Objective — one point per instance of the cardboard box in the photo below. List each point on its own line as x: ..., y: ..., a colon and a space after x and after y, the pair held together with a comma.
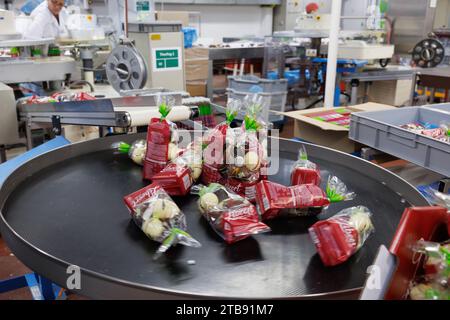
x: 327, y: 134
x: 394, y: 92
x: 196, y: 88
x: 182, y: 16
x: 196, y: 53
x: 196, y: 69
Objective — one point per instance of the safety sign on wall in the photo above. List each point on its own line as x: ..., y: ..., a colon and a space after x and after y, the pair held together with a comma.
x: 166, y: 59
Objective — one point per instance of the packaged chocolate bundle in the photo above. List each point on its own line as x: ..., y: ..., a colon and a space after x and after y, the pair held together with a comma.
x: 214, y: 143
x: 136, y: 151
x: 305, y: 171
x: 181, y: 173
x: 434, y: 281
x: 246, y: 152
x: 233, y: 217
x: 159, y: 218
x: 162, y: 139
x: 274, y: 199
x: 339, y: 237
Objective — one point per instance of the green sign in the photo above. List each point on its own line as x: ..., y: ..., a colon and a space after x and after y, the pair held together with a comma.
x: 142, y: 6
x: 166, y: 59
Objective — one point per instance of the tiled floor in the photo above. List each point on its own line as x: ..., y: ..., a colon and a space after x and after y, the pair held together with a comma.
x: 10, y: 266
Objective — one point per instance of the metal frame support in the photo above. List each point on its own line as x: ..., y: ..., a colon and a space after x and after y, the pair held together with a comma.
x: 2, y: 153
x: 56, y: 124
x: 40, y: 287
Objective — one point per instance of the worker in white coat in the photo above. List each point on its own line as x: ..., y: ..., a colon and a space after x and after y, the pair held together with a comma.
x: 49, y: 21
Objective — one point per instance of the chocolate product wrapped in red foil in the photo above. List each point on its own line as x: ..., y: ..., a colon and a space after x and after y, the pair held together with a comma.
x: 339, y: 237
x: 159, y: 218
x: 180, y: 174
x: 305, y: 171
x: 162, y: 140
x: 233, y: 217
x: 274, y: 199
x: 214, y: 146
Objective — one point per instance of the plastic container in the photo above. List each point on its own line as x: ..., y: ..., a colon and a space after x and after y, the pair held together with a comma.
x: 277, y: 103
x: 292, y: 76
x: 241, y: 86
x: 190, y: 36
x: 442, y: 107
x: 381, y: 130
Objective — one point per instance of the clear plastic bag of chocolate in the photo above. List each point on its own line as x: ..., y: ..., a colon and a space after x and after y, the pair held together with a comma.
x: 214, y: 142
x: 136, y: 151
x: 159, y: 218
x: 305, y: 171
x: 276, y: 200
x: 433, y: 281
x: 246, y: 149
x: 339, y: 237
x: 162, y: 139
x: 181, y: 173
x: 233, y: 217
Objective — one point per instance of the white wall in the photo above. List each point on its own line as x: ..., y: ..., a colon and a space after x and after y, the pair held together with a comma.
x: 218, y: 21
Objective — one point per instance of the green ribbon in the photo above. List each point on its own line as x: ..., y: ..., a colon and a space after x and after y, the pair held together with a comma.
x: 123, y: 147
x: 211, y: 188
x: 230, y: 115
x: 251, y: 124
x: 173, y: 233
x: 164, y: 110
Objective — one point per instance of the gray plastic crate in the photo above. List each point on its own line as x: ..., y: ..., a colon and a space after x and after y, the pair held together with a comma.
x: 381, y: 130
x: 277, y: 103
x: 442, y: 107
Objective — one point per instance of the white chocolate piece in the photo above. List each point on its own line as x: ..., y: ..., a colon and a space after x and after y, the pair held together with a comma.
x: 251, y: 160
x: 361, y: 222
x: 239, y: 162
x: 196, y: 173
x: 418, y: 292
x: 208, y: 201
x: 153, y: 228
x: 164, y: 209
x: 172, y: 151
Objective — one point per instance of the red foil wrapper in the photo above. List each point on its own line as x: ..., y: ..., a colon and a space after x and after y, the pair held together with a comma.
x: 272, y: 197
x: 246, y: 189
x: 305, y: 172
x: 158, y: 139
x: 175, y: 179
x: 240, y: 223
x: 213, y: 159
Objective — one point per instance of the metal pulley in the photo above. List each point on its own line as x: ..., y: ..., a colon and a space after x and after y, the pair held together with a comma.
x: 126, y: 68
x: 428, y: 53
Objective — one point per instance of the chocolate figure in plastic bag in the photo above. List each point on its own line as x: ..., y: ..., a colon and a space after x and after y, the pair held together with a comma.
x: 159, y: 218
x: 246, y: 151
x: 233, y: 217
x: 434, y: 284
x: 275, y: 200
x: 136, y: 151
x: 305, y: 171
x: 214, y: 143
x: 162, y: 139
x: 339, y: 237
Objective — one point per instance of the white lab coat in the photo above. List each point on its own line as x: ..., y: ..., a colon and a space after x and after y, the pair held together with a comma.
x: 45, y: 25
